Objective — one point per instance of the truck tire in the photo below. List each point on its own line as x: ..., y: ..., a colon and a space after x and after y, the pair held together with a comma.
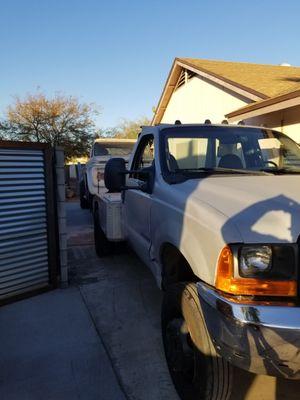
x: 103, y: 247
x: 84, y: 204
x: 197, y: 371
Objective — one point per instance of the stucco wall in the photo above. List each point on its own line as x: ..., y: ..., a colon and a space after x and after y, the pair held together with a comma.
x: 200, y: 99
x: 286, y: 121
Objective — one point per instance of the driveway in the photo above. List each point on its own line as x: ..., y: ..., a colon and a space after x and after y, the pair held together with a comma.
x: 124, y: 303
x: 99, y: 339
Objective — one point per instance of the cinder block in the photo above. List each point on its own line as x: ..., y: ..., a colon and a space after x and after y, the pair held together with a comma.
x: 62, y: 225
x: 61, y: 193
x: 63, y: 241
x: 64, y: 277
x: 59, y: 157
x: 61, y: 209
x: 63, y: 255
x: 60, y: 176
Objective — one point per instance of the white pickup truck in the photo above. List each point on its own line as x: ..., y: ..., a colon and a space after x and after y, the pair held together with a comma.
x: 91, y: 179
x: 214, y: 211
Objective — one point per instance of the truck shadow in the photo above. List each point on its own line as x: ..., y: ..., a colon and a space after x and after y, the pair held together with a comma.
x: 251, y: 216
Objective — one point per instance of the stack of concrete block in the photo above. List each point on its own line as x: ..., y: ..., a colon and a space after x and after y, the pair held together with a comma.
x: 61, y: 214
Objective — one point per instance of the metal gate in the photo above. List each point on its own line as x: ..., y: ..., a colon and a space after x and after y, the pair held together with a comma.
x: 28, y: 227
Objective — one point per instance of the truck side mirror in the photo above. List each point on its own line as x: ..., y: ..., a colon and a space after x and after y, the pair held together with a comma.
x: 114, y: 174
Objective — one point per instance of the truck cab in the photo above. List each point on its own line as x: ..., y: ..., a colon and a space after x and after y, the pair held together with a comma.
x: 92, y: 176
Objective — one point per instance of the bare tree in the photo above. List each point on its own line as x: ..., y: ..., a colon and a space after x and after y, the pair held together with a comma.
x: 60, y: 120
x: 131, y: 129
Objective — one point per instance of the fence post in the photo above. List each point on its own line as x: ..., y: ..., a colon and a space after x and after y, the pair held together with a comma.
x: 61, y: 215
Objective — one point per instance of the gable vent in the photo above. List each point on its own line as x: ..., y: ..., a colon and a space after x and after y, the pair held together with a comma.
x: 184, y: 77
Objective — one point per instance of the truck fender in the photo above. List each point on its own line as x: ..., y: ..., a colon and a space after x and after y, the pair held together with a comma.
x: 170, y: 233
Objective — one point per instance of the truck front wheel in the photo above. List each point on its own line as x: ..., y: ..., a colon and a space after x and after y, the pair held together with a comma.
x: 103, y: 246
x: 84, y: 204
x: 197, y: 371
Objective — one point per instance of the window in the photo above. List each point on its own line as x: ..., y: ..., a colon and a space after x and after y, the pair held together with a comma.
x: 190, y: 151
x: 187, y: 152
x: 232, y: 148
x: 144, y: 156
x: 270, y: 151
x: 113, y: 149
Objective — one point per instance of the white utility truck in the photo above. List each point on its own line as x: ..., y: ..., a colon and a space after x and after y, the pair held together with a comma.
x: 214, y: 211
x: 91, y: 179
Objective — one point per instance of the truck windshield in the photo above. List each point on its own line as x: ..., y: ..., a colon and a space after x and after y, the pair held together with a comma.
x: 113, y: 150
x: 191, y: 150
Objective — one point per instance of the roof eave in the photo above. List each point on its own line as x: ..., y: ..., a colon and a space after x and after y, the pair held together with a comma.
x: 177, y: 66
x: 267, y: 106
x: 169, y: 86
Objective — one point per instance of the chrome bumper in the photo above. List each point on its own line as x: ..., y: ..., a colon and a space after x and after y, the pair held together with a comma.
x: 263, y: 339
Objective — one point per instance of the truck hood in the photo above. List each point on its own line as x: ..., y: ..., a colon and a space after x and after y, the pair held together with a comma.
x: 262, y: 208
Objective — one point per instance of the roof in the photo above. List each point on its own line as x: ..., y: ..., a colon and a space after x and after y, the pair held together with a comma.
x: 268, y: 80
x: 114, y: 140
x: 282, y: 98
x: 254, y: 81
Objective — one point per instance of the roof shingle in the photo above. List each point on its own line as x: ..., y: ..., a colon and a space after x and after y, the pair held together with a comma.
x: 268, y: 80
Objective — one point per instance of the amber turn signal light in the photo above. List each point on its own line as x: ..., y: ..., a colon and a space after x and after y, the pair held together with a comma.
x: 226, y: 281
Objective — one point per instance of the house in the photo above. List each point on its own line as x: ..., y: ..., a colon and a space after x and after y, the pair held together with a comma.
x: 258, y: 94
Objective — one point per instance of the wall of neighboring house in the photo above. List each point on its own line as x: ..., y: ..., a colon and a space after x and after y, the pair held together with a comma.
x: 199, y: 99
x: 286, y: 121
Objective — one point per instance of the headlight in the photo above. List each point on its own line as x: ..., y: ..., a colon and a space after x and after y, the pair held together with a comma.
x: 98, y: 175
x: 258, y: 270
x: 255, y: 260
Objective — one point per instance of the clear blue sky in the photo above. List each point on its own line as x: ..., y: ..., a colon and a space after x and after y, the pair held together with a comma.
x: 117, y: 54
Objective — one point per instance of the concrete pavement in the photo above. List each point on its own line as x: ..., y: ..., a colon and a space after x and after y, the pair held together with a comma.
x: 124, y: 302
x: 50, y: 350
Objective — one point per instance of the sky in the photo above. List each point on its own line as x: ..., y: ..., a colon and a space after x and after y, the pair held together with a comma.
x: 117, y: 54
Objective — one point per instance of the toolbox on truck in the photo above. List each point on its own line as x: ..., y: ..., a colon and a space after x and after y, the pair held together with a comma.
x: 110, y: 208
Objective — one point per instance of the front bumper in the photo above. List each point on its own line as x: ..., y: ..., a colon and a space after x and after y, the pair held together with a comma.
x: 263, y: 339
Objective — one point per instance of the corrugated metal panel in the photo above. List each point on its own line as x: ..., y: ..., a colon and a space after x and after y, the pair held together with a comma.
x: 23, y: 222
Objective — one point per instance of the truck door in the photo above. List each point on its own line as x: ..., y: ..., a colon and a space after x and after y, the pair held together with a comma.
x: 138, y: 203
